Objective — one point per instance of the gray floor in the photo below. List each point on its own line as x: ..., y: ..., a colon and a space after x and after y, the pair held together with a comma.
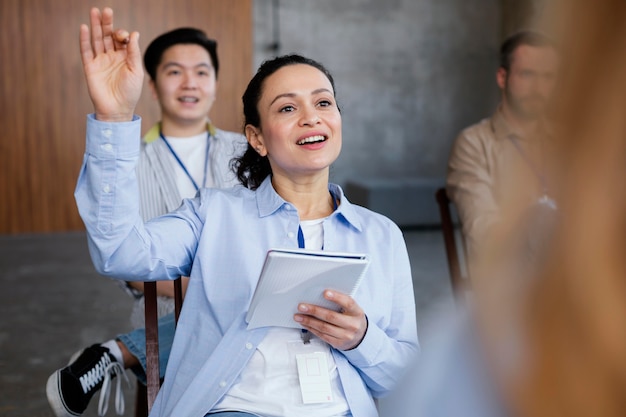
x: 52, y: 303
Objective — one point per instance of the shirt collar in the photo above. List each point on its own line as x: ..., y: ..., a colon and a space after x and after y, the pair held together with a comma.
x: 268, y: 202
x: 154, y: 132
x: 502, y: 129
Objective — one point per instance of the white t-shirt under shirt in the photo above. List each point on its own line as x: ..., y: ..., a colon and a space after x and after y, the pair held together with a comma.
x: 269, y: 384
x: 192, y: 151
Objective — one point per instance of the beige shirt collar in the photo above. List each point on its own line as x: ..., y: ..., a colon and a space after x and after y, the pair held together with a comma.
x: 502, y: 129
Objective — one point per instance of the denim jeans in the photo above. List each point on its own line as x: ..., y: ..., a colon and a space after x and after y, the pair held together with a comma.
x: 135, y: 341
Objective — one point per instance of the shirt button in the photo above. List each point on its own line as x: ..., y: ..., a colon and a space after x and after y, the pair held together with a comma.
x: 291, y: 235
x: 107, y: 147
x: 107, y: 133
x: 249, y: 346
x: 222, y: 384
x: 106, y: 188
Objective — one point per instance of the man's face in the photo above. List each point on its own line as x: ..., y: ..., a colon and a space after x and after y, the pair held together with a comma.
x: 529, y: 83
x: 185, y: 83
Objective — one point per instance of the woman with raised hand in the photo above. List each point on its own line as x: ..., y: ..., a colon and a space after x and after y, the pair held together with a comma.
x: 220, y: 239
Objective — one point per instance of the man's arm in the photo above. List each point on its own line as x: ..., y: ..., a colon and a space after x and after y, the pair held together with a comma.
x: 470, y: 185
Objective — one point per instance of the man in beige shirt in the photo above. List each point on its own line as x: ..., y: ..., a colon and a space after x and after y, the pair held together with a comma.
x: 488, y: 159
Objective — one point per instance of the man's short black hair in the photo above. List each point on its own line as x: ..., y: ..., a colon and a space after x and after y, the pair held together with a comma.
x: 154, y: 52
x: 524, y: 37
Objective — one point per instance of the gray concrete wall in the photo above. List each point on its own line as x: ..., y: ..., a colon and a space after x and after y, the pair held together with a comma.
x: 409, y: 73
x: 517, y: 14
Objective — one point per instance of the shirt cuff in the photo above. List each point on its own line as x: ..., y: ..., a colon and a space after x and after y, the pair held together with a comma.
x: 367, y: 352
x: 119, y: 140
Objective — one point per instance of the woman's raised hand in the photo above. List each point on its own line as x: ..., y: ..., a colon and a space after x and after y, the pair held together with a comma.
x: 112, y: 65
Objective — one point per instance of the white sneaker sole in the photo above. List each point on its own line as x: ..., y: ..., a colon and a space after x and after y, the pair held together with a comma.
x: 53, y: 387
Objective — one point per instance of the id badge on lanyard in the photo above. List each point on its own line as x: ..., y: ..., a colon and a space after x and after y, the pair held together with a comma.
x: 312, y: 363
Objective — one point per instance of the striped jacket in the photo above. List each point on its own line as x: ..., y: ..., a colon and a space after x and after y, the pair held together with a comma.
x: 160, y: 195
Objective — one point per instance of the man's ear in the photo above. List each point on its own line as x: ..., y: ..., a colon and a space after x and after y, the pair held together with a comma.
x: 153, y: 89
x: 501, y: 75
x: 255, y: 139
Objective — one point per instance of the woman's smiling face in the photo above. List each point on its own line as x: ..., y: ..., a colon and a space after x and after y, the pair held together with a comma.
x: 300, y: 128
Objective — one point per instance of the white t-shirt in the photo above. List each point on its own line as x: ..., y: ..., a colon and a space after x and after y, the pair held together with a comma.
x: 269, y: 384
x: 192, y: 151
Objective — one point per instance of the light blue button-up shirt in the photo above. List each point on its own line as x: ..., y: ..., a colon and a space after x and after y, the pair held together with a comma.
x: 220, y: 239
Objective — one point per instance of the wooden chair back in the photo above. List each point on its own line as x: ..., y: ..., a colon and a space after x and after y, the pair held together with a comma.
x: 146, y: 394
x: 458, y: 279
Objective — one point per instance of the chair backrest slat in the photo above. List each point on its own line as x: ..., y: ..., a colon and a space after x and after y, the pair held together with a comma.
x: 153, y: 379
x: 458, y: 281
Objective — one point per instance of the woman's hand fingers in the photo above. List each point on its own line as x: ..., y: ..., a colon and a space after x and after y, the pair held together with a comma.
x: 343, y: 330
x: 112, y: 66
x: 107, y: 29
x: 121, y: 38
x: 97, y: 34
x: 86, y: 51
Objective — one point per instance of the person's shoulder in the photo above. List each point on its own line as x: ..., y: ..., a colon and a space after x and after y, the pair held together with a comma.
x: 232, y: 143
x: 213, y: 204
x: 146, y: 151
x: 228, y: 135
x: 479, y: 129
x: 234, y: 192
x: 476, y: 136
x: 234, y: 196
x: 372, y: 219
x: 379, y: 226
x: 151, y: 135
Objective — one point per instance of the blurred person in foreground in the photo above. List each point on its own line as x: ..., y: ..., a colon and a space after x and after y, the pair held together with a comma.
x: 548, y: 338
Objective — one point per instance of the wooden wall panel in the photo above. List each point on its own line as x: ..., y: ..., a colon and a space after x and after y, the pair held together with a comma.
x: 44, y: 101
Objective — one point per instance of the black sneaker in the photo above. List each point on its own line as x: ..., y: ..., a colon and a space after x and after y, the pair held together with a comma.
x: 70, y: 389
